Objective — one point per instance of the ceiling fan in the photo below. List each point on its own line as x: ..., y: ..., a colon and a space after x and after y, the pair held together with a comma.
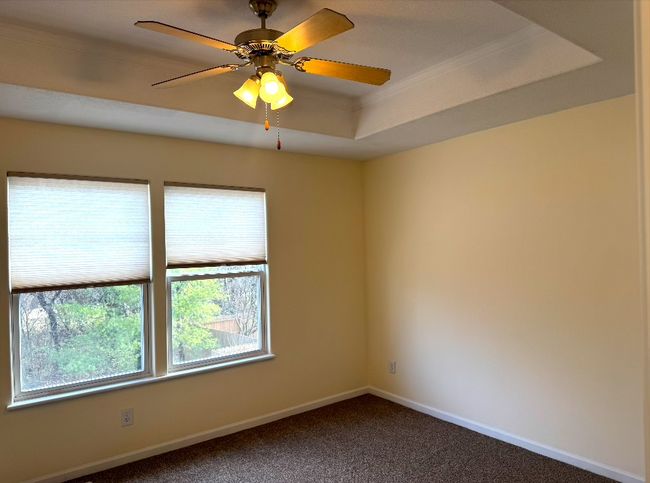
x: 266, y: 48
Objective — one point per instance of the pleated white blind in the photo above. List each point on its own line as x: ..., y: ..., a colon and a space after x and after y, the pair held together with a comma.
x: 214, y: 226
x: 71, y: 232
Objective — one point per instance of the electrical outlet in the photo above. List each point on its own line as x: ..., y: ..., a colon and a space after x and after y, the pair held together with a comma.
x: 392, y: 367
x: 127, y: 417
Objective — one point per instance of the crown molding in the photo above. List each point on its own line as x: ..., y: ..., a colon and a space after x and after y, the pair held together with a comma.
x: 450, y: 65
x: 529, y: 55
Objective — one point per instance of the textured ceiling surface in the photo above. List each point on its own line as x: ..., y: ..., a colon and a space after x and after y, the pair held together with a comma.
x: 405, y: 36
x: 459, y: 66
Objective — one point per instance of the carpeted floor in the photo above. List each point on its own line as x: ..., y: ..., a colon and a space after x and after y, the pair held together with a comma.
x: 366, y: 439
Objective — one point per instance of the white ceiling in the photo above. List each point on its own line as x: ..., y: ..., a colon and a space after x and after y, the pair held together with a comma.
x: 459, y: 66
x: 402, y: 35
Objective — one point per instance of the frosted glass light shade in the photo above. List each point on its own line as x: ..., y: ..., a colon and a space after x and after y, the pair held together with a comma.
x: 284, y: 102
x: 283, y: 82
x: 249, y: 92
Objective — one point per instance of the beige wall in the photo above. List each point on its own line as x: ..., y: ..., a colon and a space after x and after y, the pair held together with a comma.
x: 503, y: 276
x: 316, y: 255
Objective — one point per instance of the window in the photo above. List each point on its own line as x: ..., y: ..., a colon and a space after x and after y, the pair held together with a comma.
x: 80, y: 278
x: 216, y: 277
x: 80, y: 273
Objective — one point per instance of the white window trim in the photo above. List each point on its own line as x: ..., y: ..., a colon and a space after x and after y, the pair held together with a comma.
x: 219, y: 361
x: 21, y: 396
x: 135, y: 383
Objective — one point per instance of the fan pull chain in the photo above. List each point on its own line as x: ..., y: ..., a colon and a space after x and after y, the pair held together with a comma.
x: 279, y: 143
x: 267, y: 126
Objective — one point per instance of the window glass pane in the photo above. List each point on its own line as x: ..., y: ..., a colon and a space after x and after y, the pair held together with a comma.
x: 215, y: 317
x: 72, y: 336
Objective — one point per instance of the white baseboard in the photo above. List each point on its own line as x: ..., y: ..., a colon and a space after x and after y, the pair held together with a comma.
x: 157, y: 449
x: 556, y: 454
x: 105, y: 464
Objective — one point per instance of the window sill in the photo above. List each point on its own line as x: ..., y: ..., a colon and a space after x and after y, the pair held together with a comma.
x: 135, y: 383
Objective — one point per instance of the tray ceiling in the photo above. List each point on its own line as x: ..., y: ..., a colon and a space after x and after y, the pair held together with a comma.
x: 404, y: 36
x: 458, y: 66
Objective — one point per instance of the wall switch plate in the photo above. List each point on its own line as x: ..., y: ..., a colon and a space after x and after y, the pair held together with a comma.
x: 392, y: 367
x: 127, y: 417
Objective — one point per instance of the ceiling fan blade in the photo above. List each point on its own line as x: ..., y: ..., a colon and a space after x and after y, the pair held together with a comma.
x: 187, y: 35
x: 341, y: 70
x: 202, y: 74
x: 321, y: 26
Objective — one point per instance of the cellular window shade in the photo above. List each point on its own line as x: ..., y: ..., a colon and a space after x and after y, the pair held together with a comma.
x: 67, y: 233
x: 214, y: 226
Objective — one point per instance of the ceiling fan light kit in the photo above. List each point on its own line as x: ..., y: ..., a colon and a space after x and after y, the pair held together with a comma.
x: 266, y: 48
x: 249, y: 92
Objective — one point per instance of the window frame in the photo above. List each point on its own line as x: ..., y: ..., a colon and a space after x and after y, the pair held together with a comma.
x: 152, y: 371
x: 147, y: 357
x: 216, y: 362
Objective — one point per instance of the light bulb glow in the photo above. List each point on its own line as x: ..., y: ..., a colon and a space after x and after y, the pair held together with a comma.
x: 271, y: 89
x: 249, y: 92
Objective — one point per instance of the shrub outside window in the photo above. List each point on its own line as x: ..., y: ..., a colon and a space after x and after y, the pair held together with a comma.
x: 72, y: 339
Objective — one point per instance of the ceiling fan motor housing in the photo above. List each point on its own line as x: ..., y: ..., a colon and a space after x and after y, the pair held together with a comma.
x: 258, y: 36
x: 260, y: 42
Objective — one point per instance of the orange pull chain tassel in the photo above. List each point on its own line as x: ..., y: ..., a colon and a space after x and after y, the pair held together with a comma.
x: 267, y: 126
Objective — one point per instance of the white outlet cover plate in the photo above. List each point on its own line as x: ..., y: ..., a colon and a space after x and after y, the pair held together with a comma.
x: 127, y: 417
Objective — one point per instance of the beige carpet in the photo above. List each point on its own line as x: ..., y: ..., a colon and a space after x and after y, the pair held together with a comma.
x: 366, y: 439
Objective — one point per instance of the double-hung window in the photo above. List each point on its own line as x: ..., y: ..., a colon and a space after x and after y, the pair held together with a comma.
x: 216, y: 274
x: 80, y: 271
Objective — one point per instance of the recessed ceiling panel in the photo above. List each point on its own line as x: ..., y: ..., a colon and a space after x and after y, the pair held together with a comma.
x: 403, y: 36
x: 459, y: 66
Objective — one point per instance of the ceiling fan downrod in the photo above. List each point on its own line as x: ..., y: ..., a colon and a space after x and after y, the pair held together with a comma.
x: 263, y: 9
